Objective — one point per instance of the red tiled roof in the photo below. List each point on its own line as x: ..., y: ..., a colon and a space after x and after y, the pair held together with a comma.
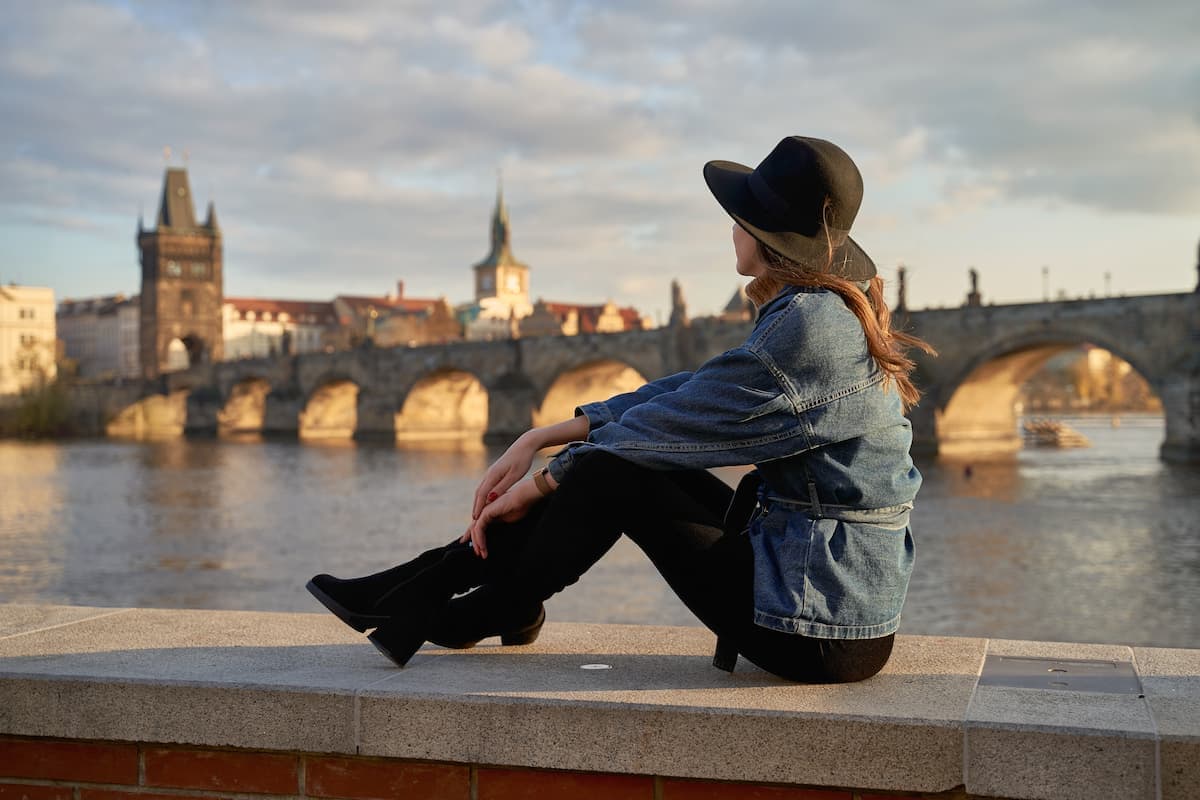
x: 589, y: 315
x: 361, y: 303
x: 298, y: 310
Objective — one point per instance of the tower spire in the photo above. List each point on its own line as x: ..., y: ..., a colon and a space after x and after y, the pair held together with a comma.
x: 501, y: 242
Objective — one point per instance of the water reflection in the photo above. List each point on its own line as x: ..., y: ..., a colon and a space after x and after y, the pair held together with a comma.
x: 1101, y: 544
x: 1077, y: 545
x: 31, y: 552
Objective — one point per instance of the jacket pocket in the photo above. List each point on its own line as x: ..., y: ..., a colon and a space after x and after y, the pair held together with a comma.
x: 857, y: 572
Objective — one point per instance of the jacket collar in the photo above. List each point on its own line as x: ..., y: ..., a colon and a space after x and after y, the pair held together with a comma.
x: 780, y: 300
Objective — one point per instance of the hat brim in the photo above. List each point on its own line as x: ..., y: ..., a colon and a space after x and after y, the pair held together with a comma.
x: 729, y: 183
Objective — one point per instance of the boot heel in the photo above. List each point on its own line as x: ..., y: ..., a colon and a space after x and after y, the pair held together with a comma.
x: 360, y: 621
x: 527, y: 635
x: 397, y: 641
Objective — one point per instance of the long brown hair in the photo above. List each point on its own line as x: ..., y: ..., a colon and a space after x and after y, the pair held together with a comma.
x: 889, y: 348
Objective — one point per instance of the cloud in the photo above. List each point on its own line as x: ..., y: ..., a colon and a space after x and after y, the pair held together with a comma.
x: 360, y: 145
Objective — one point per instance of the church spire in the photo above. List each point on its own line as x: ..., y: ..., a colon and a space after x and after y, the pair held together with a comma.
x: 501, y: 252
x: 501, y: 246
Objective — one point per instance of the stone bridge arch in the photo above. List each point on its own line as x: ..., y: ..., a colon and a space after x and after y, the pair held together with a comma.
x: 590, y: 381
x: 243, y: 408
x: 330, y: 409
x: 159, y: 415
x: 446, y: 403
x: 973, y: 404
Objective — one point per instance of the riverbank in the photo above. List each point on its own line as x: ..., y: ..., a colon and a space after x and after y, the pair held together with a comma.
x: 148, y: 702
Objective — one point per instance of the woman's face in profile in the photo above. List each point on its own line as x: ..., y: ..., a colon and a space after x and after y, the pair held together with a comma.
x: 745, y: 247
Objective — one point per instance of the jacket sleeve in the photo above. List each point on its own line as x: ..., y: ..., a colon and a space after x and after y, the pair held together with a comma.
x: 731, y: 411
x: 605, y: 411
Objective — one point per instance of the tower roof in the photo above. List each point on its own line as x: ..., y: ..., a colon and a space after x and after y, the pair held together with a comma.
x: 739, y: 302
x: 501, y: 252
x: 175, y: 209
x: 211, y: 221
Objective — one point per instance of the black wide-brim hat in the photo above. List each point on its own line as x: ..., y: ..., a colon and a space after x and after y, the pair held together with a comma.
x: 781, y: 203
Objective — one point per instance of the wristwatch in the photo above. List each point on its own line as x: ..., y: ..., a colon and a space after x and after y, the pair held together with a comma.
x: 539, y: 480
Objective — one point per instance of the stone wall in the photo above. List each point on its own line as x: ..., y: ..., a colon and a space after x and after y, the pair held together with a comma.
x: 65, y: 769
x: 108, y: 704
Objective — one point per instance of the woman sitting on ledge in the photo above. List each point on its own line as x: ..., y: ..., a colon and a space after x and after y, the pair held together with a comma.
x: 804, y: 570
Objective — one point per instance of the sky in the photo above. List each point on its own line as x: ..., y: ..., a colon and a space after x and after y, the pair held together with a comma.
x: 1052, y: 146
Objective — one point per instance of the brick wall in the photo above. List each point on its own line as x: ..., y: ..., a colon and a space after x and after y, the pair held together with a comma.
x: 57, y: 769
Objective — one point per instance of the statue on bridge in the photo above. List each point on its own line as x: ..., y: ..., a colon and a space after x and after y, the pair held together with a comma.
x: 973, y: 297
x: 679, y: 315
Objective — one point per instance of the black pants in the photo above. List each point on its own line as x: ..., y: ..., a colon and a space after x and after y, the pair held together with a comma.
x: 676, y: 518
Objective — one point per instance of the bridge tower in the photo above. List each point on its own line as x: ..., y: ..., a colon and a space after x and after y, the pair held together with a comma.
x: 182, y: 283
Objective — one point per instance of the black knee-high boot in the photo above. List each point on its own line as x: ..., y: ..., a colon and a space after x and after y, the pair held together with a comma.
x: 425, y: 609
x: 355, y: 600
x: 491, y: 610
x: 431, y: 615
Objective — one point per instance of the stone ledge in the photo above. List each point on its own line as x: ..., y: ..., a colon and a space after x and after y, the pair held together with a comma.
x: 305, y: 682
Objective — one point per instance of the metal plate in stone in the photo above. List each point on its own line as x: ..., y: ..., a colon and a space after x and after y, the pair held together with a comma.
x: 1015, y: 672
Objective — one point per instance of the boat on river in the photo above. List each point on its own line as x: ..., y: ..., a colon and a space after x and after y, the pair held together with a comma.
x: 1052, y: 433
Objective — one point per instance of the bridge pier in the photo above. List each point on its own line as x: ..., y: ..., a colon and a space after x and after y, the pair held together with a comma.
x: 201, y: 411
x: 376, y: 417
x: 934, y: 436
x: 984, y: 438
x: 1180, y: 396
x: 281, y: 414
x: 511, y: 404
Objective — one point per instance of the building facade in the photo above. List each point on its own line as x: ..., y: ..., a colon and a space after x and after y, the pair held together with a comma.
x: 395, y: 320
x: 28, y: 339
x: 182, y: 283
x: 262, y: 328
x: 571, y: 319
x: 100, y: 335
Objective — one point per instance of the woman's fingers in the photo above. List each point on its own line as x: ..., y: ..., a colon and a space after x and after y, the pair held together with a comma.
x: 492, y: 488
x: 485, y: 489
x: 477, y: 531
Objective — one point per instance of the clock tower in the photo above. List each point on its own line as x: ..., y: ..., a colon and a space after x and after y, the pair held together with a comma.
x: 500, y: 277
x: 182, y: 283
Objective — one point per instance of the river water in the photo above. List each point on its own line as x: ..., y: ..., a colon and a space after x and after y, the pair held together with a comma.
x: 1100, y: 544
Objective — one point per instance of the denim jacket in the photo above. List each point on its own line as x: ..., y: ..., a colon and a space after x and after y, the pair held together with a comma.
x: 804, y: 402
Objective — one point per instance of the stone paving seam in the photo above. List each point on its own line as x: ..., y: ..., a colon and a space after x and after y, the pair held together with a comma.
x: 1158, y: 776
x: 963, y: 726
x: 58, y: 625
x: 356, y: 718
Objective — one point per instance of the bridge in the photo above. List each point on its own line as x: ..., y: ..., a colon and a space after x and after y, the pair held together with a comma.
x: 495, y: 390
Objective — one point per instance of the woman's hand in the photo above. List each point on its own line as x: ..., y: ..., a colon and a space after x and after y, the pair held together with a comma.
x: 518, y: 458
x: 508, y: 507
x: 504, y: 472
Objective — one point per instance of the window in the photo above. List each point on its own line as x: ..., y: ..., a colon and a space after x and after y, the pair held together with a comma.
x: 27, y: 313
x: 199, y: 269
x: 173, y: 269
